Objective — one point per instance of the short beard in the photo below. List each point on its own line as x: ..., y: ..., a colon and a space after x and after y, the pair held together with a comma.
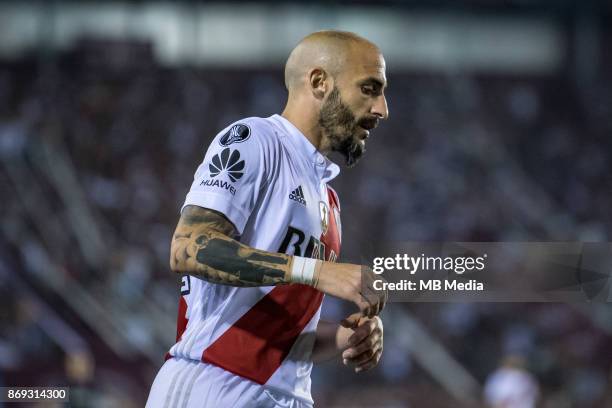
x: 339, y: 127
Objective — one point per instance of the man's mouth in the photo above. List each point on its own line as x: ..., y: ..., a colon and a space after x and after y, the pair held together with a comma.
x: 368, y: 125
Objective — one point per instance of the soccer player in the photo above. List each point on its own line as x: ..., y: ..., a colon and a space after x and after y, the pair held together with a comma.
x: 258, y: 237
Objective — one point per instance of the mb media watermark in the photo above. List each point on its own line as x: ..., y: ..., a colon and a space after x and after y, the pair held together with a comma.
x: 412, y: 265
x: 494, y: 271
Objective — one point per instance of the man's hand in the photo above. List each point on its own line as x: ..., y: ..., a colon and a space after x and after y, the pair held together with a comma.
x: 365, y: 344
x: 354, y: 283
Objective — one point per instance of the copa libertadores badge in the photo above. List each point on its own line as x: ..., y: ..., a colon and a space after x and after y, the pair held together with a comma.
x: 237, y: 134
x: 227, y: 161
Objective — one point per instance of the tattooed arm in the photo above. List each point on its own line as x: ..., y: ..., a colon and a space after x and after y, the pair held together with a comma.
x: 203, y: 245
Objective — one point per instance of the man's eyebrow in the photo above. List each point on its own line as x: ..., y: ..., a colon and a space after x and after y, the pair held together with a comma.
x: 373, y: 81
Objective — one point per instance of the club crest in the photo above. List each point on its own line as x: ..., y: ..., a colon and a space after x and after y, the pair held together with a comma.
x: 324, y: 213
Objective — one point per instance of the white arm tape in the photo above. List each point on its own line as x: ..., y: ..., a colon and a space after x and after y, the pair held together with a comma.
x: 302, y: 270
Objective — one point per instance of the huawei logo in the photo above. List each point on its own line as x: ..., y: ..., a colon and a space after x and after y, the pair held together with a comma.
x: 227, y: 161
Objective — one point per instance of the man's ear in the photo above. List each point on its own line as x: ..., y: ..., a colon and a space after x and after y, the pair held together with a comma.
x: 319, y: 82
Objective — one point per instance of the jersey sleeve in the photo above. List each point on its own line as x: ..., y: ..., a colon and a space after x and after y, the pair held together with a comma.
x: 233, y: 173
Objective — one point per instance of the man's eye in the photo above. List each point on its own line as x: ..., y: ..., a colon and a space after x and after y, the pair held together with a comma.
x: 368, y: 90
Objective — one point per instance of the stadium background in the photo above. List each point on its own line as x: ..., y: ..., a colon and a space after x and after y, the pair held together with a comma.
x: 499, y: 130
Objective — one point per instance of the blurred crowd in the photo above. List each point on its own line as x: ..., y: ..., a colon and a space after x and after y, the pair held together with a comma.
x: 97, y: 156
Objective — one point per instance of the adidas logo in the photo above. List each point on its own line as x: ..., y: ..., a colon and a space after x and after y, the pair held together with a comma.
x: 298, y: 195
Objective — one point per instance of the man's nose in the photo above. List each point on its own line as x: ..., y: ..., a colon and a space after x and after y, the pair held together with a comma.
x: 380, y: 107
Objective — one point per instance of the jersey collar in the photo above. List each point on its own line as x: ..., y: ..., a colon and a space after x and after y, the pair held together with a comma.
x: 325, y: 168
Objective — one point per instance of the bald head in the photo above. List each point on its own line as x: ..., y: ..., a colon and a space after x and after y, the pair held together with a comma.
x: 329, y: 50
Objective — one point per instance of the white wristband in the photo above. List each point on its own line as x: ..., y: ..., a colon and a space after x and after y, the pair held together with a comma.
x: 303, y: 270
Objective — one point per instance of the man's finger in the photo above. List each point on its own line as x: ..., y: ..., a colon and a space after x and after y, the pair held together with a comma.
x: 352, y: 321
x: 385, y: 297
x: 373, y: 362
x: 376, y: 297
x: 372, y: 301
x: 372, y: 341
x: 367, y: 292
x: 366, y: 306
x: 381, y: 295
x: 361, y: 356
x: 363, y: 305
x: 361, y: 332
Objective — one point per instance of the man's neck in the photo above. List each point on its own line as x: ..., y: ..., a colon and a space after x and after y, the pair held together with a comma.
x: 306, y: 123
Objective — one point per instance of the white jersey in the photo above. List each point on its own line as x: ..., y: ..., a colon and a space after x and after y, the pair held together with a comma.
x: 271, y: 183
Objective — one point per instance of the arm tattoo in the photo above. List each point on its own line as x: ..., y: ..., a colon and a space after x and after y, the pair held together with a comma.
x: 202, y: 245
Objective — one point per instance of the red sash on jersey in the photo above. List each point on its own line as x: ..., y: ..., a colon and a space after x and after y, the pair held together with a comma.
x: 256, y: 345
